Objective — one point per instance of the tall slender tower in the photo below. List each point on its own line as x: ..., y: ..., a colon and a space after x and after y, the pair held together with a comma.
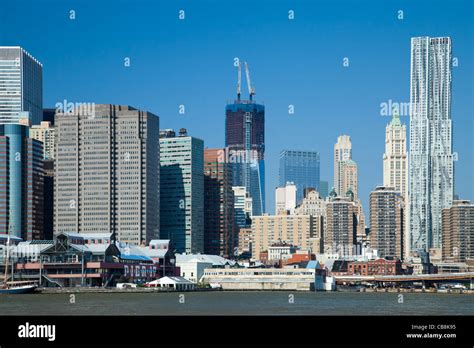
x: 219, y: 233
x: 349, y: 178
x: 395, y: 168
x: 395, y: 160
x: 431, y: 159
x: 21, y: 182
x: 245, y: 141
x: 342, y: 153
x: 386, y: 222
x: 182, y: 190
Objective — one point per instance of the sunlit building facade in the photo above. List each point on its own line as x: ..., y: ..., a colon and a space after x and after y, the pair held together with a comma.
x: 431, y: 169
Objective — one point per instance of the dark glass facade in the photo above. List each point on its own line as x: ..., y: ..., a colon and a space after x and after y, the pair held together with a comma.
x: 245, y: 141
x: 21, y: 182
x: 219, y: 236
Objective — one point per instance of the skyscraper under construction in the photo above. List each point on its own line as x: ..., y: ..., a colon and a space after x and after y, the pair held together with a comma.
x: 245, y: 142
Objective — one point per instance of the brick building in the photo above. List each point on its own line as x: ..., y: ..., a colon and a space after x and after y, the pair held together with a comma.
x: 375, y: 267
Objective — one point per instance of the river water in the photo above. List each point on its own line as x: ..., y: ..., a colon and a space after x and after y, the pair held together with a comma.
x: 238, y: 303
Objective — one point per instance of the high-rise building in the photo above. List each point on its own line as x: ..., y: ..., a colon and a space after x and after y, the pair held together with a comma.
x: 21, y: 86
x: 387, y: 222
x: 48, y: 115
x: 348, y: 180
x: 21, y: 182
x: 182, y: 191
x: 395, y: 167
x: 285, y: 198
x: 245, y: 241
x: 301, y: 168
x: 431, y: 167
x: 242, y: 207
x: 458, y: 232
x: 395, y: 161
x: 219, y: 234
x: 245, y: 141
x: 340, y: 234
x: 323, y: 188
x: 299, y: 230
x: 48, y: 199
x: 45, y: 133
x: 342, y: 153
x: 361, y: 227
x: 107, y: 173
x: 313, y: 204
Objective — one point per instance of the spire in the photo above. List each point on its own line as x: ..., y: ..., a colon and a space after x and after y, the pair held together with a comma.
x: 395, y: 118
x: 350, y: 194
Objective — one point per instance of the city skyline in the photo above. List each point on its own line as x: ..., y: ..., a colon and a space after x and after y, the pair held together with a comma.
x: 322, y: 80
x: 195, y: 159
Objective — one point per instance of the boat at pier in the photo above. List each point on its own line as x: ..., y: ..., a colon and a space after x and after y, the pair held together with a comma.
x: 14, y: 287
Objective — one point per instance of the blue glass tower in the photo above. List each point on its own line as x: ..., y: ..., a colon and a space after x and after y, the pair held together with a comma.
x: 301, y: 168
x: 21, y: 182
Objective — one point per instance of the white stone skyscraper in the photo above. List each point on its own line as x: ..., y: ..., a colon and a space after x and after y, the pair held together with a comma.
x: 395, y: 167
x: 342, y: 153
x: 431, y: 169
x: 395, y: 159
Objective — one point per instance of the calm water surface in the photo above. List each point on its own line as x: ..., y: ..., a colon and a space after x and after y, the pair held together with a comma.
x: 238, y: 303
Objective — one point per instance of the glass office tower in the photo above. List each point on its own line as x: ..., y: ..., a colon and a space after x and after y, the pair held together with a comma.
x: 21, y: 183
x: 245, y: 141
x: 182, y: 191
x: 21, y: 86
x: 301, y: 168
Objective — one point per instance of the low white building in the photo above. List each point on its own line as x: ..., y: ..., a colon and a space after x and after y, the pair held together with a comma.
x: 261, y: 278
x: 281, y: 251
x: 173, y: 283
x: 192, y: 265
x: 193, y: 269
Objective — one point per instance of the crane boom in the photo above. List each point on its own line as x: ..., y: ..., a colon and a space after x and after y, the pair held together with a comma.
x: 247, y: 73
x: 249, y: 84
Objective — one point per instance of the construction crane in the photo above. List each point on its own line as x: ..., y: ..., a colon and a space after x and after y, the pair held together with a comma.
x: 249, y: 84
x: 239, y: 79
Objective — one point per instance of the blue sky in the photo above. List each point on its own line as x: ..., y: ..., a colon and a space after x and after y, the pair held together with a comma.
x: 298, y: 62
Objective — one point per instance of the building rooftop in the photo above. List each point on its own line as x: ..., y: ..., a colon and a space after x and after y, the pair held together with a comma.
x: 216, y: 260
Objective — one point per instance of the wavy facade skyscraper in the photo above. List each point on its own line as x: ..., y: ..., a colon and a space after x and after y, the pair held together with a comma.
x: 431, y: 157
